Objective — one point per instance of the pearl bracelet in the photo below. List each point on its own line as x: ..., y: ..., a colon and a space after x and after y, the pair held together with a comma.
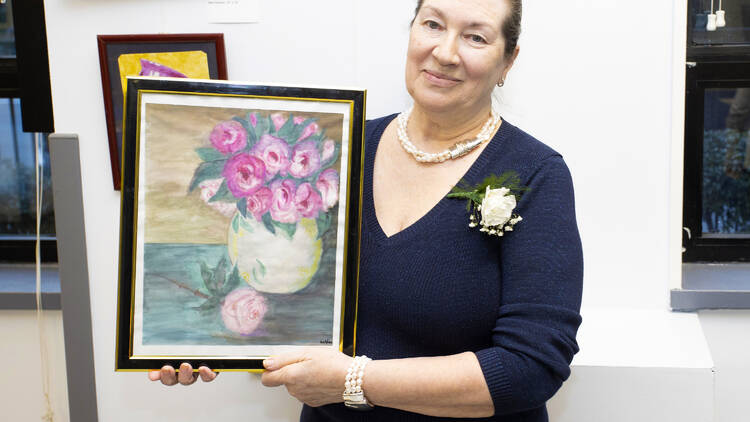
x: 353, y: 396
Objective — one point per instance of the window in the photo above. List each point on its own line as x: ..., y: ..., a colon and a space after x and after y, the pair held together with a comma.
x: 25, y: 107
x: 716, y: 210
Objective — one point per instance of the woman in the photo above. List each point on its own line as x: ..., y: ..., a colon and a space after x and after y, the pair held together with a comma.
x: 459, y: 323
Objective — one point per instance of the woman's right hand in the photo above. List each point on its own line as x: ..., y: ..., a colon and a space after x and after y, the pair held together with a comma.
x: 168, y: 376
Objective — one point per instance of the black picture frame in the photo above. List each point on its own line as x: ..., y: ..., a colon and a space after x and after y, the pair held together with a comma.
x: 138, y: 89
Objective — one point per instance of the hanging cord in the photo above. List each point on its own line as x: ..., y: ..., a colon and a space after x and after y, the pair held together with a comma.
x: 49, y: 415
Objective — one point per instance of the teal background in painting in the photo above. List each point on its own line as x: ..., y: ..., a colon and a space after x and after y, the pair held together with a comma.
x: 170, y: 316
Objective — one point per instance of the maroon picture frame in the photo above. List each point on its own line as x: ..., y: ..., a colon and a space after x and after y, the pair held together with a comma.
x: 112, y: 46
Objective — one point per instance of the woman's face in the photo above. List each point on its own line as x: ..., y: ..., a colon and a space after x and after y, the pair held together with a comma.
x: 455, y: 54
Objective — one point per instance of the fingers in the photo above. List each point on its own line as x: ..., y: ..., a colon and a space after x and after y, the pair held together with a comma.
x: 274, y: 378
x: 186, y: 375
x: 154, y: 375
x: 168, y: 376
x: 206, y: 374
x: 283, y: 359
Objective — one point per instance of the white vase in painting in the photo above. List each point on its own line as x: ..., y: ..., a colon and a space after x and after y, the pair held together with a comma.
x: 274, y: 262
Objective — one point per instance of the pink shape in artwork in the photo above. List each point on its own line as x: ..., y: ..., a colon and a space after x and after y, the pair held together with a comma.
x: 243, y: 310
x: 307, y: 201
x: 305, y: 159
x: 244, y: 173
x: 149, y: 68
x: 260, y: 202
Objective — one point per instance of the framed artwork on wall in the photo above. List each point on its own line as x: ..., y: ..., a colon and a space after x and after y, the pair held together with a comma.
x: 239, y: 233
x: 199, y: 56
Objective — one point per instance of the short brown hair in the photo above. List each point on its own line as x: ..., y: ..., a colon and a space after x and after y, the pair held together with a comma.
x: 511, y: 28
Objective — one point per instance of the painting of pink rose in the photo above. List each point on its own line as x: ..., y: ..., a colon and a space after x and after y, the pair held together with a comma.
x: 228, y: 137
x: 209, y: 188
x: 243, y: 310
x: 245, y: 174
x: 307, y: 201
x: 328, y: 186
x: 259, y: 202
x: 283, y: 207
x: 305, y: 160
x: 275, y: 154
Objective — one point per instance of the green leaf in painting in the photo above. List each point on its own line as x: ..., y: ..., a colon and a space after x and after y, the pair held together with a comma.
x: 206, y: 171
x: 271, y: 127
x: 236, y: 223
x: 209, y: 154
x: 324, y: 223
x: 243, y: 122
x: 207, y: 280
x: 242, y: 207
x: 252, y: 138
x: 246, y: 226
x: 287, y: 228
x: 256, y: 278
x: 220, y: 274
x: 298, y: 129
x: 223, y: 194
x: 262, y: 267
x: 233, y: 281
x: 268, y: 222
x: 262, y: 127
x: 286, y: 131
x: 209, y: 305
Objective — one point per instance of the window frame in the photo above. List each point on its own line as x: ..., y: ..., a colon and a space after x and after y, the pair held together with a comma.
x: 699, y: 77
x: 27, y: 77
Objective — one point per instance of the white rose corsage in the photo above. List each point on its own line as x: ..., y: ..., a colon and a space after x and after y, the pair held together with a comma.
x: 491, y: 203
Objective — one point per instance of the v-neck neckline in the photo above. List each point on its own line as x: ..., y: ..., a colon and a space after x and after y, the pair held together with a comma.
x: 408, y: 232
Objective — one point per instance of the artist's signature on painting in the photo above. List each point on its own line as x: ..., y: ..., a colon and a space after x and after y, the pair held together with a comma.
x: 326, y: 341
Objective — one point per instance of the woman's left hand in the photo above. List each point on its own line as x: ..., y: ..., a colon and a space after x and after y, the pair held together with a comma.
x: 313, y: 376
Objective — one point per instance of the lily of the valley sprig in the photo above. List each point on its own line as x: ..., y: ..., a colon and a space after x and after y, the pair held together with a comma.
x: 491, y: 203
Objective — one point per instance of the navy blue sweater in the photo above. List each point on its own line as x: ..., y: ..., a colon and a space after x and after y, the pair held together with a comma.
x: 439, y: 287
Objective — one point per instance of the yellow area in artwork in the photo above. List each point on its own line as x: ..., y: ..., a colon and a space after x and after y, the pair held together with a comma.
x: 193, y: 64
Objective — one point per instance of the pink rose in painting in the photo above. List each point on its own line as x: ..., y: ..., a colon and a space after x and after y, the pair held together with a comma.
x: 328, y: 186
x: 278, y: 120
x: 328, y: 149
x: 308, y: 131
x: 228, y: 137
x: 245, y: 174
x: 149, y: 68
x: 243, y: 310
x: 208, y: 190
x: 305, y: 159
x: 253, y: 119
x: 307, y: 201
x: 259, y: 202
x: 283, y: 208
x: 275, y: 154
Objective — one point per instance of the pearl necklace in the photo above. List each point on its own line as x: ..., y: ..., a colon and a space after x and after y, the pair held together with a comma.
x: 458, y: 149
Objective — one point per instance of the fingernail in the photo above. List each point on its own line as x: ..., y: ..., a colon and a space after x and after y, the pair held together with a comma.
x: 268, y: 363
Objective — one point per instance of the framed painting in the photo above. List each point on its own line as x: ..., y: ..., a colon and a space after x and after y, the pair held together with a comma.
x: 240, y: 216
x: 172, y: 55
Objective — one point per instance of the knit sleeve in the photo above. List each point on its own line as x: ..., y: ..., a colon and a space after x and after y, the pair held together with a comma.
x: 542, y: 276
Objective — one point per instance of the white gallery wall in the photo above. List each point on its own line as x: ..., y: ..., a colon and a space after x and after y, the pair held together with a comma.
x: 594, y: 81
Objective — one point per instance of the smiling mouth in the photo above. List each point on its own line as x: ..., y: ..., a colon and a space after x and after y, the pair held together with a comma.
x: 437, y: 75
x: 439, y: 79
